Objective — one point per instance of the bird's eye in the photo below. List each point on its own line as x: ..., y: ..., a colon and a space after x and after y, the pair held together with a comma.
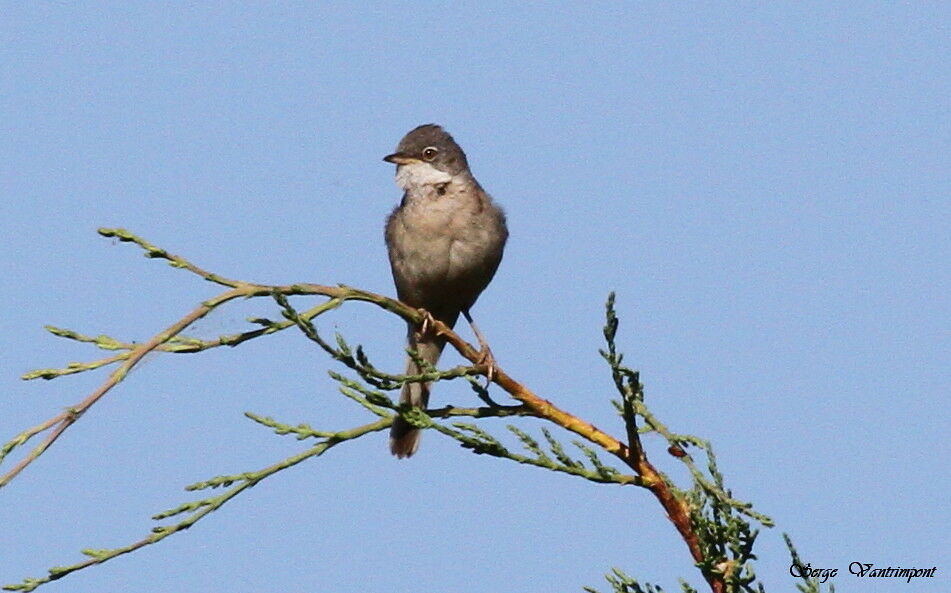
x: 429, y: 153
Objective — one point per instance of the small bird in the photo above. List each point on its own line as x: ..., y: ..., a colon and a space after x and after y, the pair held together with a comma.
x: 445, y: 242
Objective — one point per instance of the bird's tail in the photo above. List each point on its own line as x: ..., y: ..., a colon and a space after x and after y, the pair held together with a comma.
x: 404, y: 437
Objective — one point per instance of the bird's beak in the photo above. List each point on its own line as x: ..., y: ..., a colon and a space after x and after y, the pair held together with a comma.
x: 400, y: 158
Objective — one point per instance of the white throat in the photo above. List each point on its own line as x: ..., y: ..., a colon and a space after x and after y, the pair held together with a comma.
x: 420, y: 173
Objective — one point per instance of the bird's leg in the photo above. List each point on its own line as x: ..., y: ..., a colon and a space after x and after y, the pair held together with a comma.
x: 485, y: 353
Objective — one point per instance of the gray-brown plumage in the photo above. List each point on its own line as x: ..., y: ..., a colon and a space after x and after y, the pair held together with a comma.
x: 445, y: 242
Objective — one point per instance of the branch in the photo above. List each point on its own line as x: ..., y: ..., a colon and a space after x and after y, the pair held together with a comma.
x: 707, y: 517
x: 237, y: 483
x: 201, y: 508
x: 60, y: 422
x: 64, y: 420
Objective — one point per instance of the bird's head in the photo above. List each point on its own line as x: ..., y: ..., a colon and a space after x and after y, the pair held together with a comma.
x: 427, y: 155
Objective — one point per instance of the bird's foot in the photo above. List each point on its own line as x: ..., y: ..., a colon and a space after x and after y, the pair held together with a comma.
x: 486, y: 358
x: 426, y: 327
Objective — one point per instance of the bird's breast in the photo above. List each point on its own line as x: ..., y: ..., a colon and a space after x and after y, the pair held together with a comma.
x: 449, y: 240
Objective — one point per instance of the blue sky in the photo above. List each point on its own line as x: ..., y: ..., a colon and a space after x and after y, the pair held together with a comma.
x: 764, y: 185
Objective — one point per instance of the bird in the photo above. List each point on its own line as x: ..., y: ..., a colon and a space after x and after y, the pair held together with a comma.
x: 444, y: 241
